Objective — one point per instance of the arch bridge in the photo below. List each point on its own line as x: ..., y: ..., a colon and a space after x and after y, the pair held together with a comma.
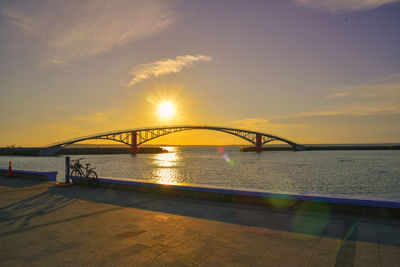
x: 136, y: 137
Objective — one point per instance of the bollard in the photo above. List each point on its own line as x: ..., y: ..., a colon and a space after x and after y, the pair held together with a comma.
x: 67, y: 165
x: 10, y: 171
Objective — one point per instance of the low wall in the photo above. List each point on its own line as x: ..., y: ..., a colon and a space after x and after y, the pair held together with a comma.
x: 321, y: 203
x: 49, y: 176
x: 369, y: 206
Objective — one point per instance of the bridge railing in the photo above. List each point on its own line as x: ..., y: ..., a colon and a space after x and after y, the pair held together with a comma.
x: 87, y: 137
x: 116, y: 132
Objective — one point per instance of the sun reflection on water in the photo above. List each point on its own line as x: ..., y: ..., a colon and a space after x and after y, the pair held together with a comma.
x: 166, y: 172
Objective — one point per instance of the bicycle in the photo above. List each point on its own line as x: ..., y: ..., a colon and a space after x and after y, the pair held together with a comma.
x: 80, y: 174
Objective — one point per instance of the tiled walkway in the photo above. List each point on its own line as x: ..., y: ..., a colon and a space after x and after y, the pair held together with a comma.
x: 44, y: 225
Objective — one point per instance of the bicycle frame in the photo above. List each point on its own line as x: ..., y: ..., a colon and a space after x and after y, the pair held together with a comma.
x: 84, y: 172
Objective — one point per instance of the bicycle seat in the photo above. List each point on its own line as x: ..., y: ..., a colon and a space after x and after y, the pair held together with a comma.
x: 87, y: 164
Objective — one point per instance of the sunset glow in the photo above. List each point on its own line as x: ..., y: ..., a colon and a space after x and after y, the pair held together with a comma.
x: 312, y: 71
x: 187, y: 132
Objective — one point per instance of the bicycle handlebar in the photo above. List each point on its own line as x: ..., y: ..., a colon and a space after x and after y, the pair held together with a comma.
x: 77, y: 160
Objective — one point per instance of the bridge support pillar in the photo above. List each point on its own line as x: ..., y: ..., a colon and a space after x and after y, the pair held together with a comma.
x: 258, y: 143
x: 134, y: 143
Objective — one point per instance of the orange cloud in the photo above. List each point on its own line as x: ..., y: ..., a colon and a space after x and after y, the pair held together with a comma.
x: 344, y: 5
x: 337, y: 95
x: 263, y: 124
x: 65, y: 31
x: 163, y: 67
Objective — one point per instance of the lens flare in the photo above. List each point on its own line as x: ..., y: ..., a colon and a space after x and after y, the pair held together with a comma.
x: 346, y: 237
x: 225, y: 156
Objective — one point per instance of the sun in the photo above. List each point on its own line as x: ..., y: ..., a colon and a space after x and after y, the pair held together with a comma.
x: 166, y: 110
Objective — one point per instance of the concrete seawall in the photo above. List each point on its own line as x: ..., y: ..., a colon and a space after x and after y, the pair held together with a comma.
x: 366, y: 206
x: 321, y: 203
x: 48, y: 176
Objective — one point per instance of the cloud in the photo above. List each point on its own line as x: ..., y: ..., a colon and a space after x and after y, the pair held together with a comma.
x: 96, y: 117
x: 263, y: 124
x: 19, y: 19
x: 386, y: 87
x: 389, y: 78
x: 252, y: 122
x: 355, y: 110
x: 163, y: 67
x: 338, y: 95
x: 377, y: 97
x: 344, y: 5
x: 69, y: 30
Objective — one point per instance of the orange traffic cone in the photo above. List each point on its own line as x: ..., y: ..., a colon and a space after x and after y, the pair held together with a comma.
x: 10, y: 171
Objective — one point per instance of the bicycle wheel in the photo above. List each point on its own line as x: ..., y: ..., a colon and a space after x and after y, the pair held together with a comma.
x: 76, y: 177
x: 92, y: 178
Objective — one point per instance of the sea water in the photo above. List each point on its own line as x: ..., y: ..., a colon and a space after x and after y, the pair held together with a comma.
x: 357, y: 173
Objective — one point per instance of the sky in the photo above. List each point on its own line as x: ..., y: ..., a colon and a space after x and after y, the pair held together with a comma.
x: 310, y: 71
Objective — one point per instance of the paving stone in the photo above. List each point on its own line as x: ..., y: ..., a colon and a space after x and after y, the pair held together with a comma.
x: 83, y: 226
x: 322, y: 257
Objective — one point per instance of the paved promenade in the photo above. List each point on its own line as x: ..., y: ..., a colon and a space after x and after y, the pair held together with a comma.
x: 43, y: 225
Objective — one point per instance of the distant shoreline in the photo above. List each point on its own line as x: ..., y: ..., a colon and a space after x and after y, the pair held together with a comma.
x: 324, y: 147
x: 91, y: 149
x: 81, y: 151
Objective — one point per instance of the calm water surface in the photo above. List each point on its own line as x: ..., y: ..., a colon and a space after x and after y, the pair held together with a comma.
x: 368, y: 173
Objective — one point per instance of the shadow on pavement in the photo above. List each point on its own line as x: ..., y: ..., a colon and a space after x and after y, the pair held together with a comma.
x: 19, y: 214
x: 323, y: 224
x: 301, y: 220
x: 18, y: 182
